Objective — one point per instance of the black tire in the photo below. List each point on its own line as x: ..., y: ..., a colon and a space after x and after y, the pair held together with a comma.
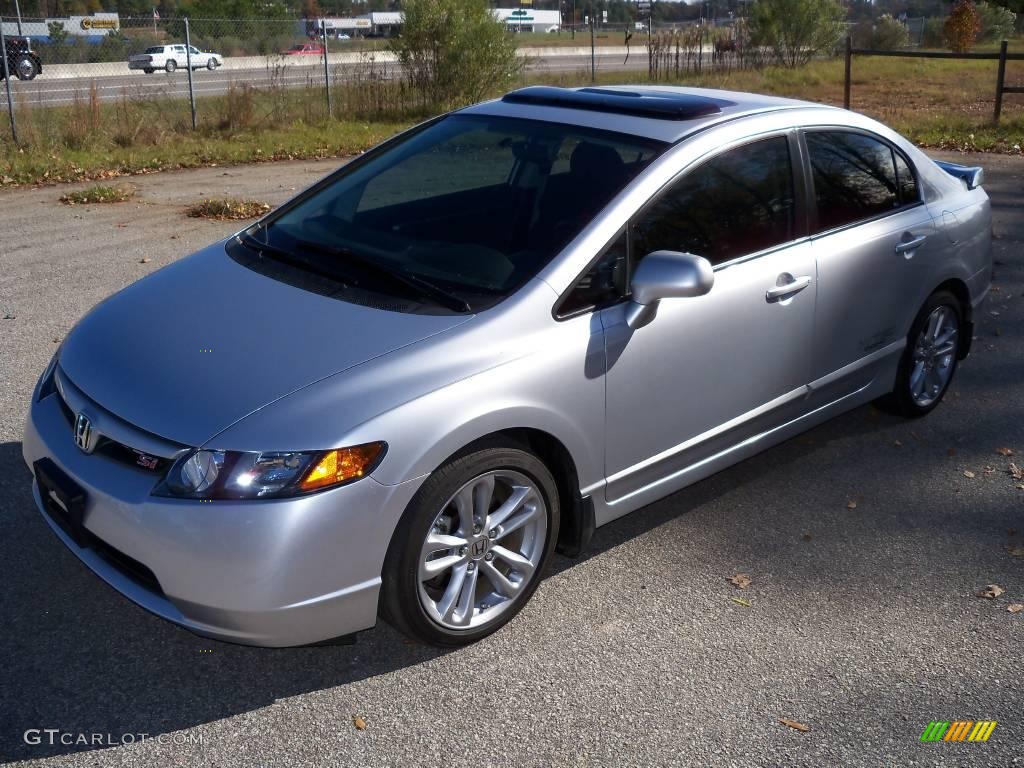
x: 25, y: 68
x: 211, y: 64
x: 170, y: 66
x: 400, y: 603
x: 148, y: 70
x: 901, y: 401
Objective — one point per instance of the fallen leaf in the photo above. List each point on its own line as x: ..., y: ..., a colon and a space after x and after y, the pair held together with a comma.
x: 359, y: 723
x: 807, y: 537
x: 144, y: 260
x: 988, y: 470
x: 740, y: 580
x: 1015, y: 472
x: 991, y: 592
x: 794, y: 725
x: 851, y: 504
x: 968, y: 473
x: 741, y: 601
x: 1015, y: 607
x: 897, y: 444
x: 1016, y: 550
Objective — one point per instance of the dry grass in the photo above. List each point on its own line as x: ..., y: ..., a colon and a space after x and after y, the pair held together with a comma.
x: 98, y: 193
x: 227, y: 208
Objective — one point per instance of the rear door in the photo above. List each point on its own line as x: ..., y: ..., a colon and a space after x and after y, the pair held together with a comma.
x: 873, y: 237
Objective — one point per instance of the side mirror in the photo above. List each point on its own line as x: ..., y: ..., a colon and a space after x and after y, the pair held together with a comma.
x: 666, y: 275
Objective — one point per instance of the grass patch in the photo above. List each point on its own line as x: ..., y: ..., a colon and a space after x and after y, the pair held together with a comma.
x: 99, y: 193
x: 227, y: 208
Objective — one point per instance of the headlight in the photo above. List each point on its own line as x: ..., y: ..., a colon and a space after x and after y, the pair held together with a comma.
x: 47, y: 384
x: 205, y: 474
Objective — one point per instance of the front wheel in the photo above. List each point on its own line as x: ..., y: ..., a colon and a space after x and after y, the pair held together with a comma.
x: 930, y: 358
x: 470, y: 549
x: 25, y: 68
x: 170, y: 66
x: 211, y: 64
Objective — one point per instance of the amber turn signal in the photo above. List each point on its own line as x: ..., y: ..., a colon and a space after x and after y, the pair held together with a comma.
x: 341, y: 465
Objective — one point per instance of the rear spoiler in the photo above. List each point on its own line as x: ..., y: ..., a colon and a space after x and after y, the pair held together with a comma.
x: 971, y: 175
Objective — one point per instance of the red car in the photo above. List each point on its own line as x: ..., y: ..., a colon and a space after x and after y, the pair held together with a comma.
x: 305, y: 49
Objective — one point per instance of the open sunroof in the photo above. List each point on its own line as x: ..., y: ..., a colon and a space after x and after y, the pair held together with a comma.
x: 661, y: 105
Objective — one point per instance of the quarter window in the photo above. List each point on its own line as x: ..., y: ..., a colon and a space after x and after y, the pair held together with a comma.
x: 855, y: 178
x: 734, y: 204
x: 907, y: 182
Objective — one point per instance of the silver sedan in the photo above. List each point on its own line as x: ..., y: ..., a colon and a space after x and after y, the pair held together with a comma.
x: 398, y: 393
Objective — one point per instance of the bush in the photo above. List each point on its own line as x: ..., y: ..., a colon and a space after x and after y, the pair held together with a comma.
x: 962, y: 27
x: 997, y: 23
x: 455, y: 51
x: 934, y: 33
x: 797, y: 30
x: 889, y: 34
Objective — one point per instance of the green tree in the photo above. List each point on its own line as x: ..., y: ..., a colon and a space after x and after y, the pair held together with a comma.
x: 997, y: 23
x: 889, y: 34
x: 455, y: 51
x: 796, y: 30
x: 56, y: 32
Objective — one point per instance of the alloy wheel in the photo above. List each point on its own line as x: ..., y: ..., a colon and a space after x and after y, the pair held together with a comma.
x: 483, y: 548
x: 934, y: 356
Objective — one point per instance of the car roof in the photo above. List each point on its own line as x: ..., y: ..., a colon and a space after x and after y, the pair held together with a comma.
x: 661, y: 112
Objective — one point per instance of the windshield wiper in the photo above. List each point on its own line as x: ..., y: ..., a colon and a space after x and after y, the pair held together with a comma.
x: 279, y: 254
x: 416, y: 283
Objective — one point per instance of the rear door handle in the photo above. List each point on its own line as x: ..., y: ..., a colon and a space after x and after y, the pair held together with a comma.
x: 795, y: 285
x: 910, y: 245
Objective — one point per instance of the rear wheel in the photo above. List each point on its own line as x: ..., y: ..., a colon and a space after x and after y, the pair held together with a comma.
x: 470, y: 548
x: 211, y: 64
x: 171, y: 65
x: 930, y: 358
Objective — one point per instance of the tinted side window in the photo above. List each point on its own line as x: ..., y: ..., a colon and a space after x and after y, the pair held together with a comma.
x: 736, y: 203
x: 905, y: 178
x: 854, y: 177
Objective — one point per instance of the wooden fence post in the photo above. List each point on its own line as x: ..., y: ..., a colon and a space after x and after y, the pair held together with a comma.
x: 1000, y: 82
x: 846, y: 79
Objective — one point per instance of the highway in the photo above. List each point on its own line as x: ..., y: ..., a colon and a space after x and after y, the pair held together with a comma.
x: 111, y: 85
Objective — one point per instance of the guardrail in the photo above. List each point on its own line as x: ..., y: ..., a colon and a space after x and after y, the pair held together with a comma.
x: 1002, y: 57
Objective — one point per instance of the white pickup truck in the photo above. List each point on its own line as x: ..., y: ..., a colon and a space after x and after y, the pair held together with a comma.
x: 170, y: 57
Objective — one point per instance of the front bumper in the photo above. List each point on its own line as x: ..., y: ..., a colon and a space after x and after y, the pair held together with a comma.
x: 272, y: 573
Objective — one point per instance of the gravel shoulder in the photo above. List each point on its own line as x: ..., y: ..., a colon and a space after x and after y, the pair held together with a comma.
x: 862, y: 622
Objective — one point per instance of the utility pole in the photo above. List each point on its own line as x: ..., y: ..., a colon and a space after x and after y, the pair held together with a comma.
x: 17, y: 12
x: 7, y: 82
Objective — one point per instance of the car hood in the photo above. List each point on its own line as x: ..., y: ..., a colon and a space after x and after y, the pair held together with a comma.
x: 193, y: 348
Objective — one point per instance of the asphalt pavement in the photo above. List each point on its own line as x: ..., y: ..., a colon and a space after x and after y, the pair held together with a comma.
x: 866, y: 541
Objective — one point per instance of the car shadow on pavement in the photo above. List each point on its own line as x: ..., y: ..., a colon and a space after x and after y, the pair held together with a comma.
x: 83, y: 659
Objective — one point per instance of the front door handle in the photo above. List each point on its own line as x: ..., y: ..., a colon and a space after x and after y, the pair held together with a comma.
x: 794, y: 285
x: 910, y: 245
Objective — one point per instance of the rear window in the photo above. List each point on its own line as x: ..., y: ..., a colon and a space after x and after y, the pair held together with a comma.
x: 155, y: 49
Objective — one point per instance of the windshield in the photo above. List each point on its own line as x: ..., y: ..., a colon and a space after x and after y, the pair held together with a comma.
x: 471, y: 205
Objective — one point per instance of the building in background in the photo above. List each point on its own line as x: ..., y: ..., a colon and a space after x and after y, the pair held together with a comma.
x: 529, y: 20
x: 94, y: 28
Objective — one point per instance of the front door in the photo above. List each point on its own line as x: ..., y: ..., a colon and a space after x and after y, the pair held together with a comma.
x: 711, y: 371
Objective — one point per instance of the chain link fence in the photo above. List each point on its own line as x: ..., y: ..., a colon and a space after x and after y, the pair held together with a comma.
x: 208, y: 71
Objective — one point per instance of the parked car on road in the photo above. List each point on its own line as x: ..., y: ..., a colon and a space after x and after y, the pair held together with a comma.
x: 305, y: 49
x: 22, y: 61
x: 172, y: 57
x: 397, y: 393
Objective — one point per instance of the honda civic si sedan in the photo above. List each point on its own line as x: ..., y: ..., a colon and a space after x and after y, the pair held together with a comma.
x: 399, y: 392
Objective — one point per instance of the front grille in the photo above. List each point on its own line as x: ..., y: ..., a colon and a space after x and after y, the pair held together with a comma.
x: 119, y: 452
